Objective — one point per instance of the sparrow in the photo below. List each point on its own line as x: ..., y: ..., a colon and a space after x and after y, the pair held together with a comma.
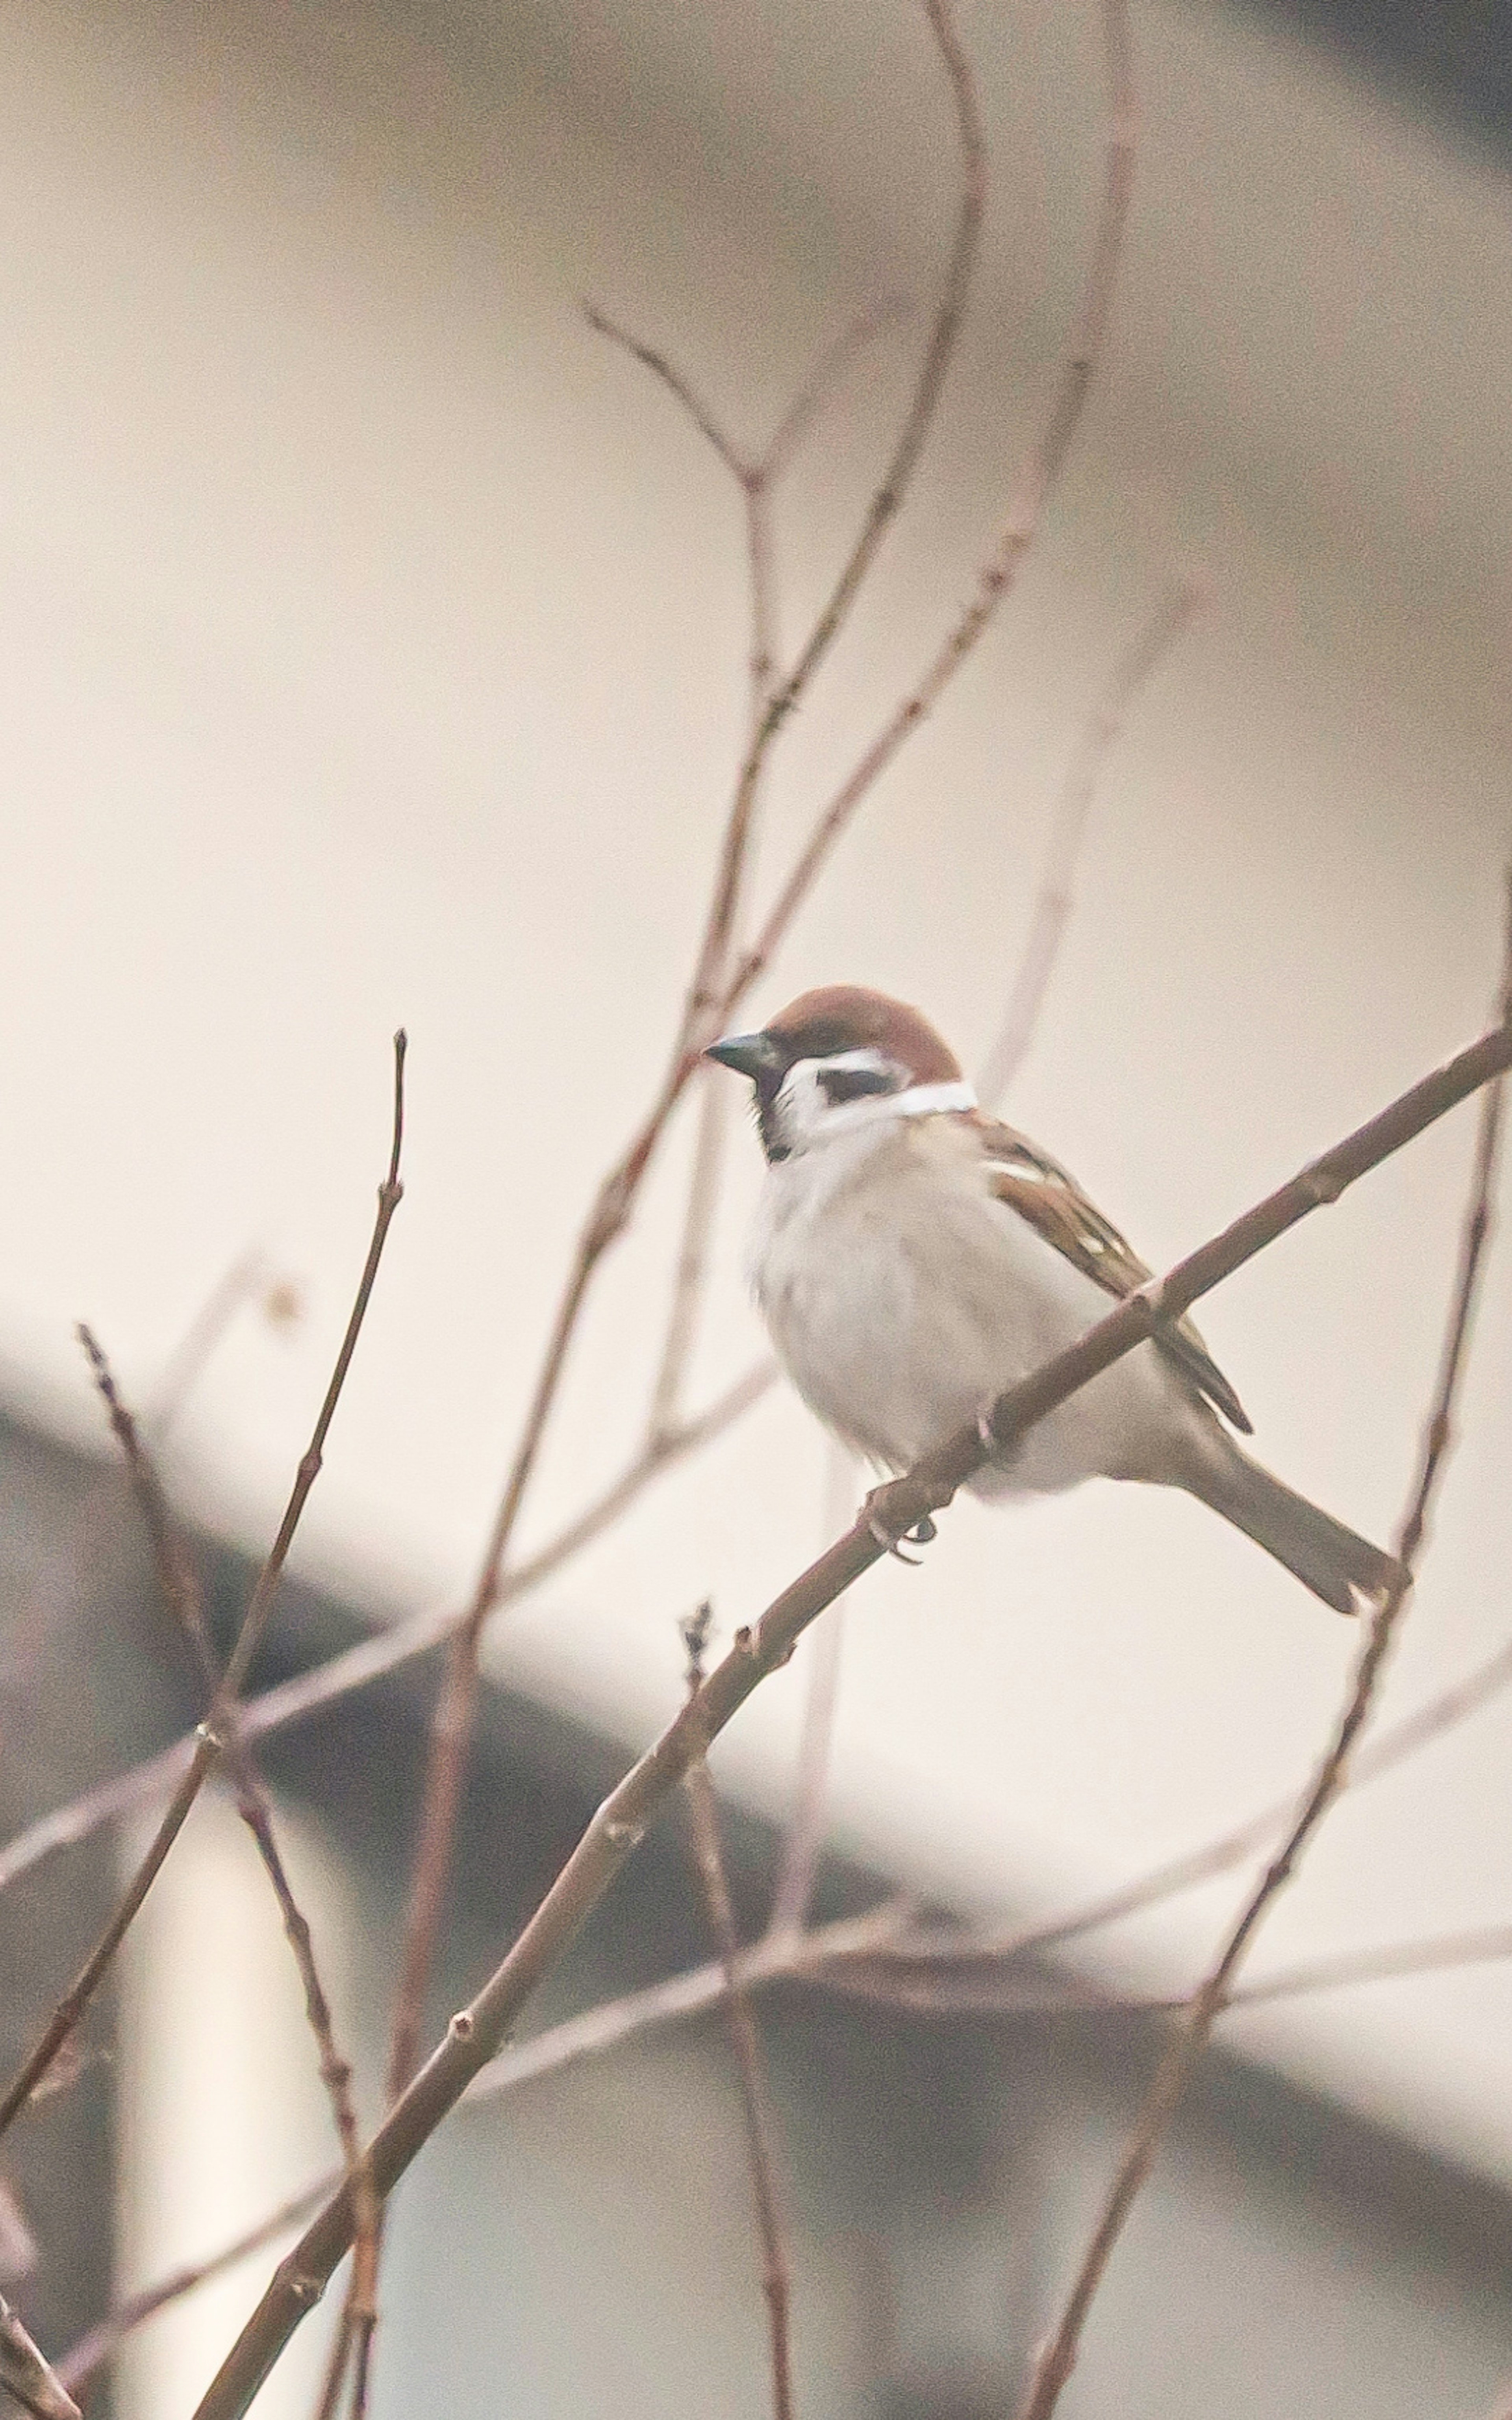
x: 913, y: 1257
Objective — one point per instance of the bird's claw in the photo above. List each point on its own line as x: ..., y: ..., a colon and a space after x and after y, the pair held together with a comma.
x: 921, y: 1533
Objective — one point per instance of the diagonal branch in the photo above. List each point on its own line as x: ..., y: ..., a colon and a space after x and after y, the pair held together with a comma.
x: 476, y: 2032
x: 1056, y: 896
x: 27, y: 2374
x: 1058, y: 2357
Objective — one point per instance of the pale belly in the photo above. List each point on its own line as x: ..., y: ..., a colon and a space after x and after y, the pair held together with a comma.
x: 901, y: 1311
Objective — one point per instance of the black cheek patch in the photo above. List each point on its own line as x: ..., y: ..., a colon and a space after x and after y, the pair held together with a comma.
x: 853, y: 1083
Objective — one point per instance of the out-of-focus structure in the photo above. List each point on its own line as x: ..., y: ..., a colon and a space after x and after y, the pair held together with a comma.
x: 372, y: 643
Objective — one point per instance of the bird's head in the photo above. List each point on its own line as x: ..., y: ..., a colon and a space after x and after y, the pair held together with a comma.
x: 840, y: 1058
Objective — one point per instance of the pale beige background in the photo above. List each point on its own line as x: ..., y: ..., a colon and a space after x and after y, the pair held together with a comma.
x: 371, y: 648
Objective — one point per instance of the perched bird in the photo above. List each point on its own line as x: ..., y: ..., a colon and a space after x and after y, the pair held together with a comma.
x: 913, y: 1257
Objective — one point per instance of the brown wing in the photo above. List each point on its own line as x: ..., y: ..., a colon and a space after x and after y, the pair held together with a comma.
x: 1055, y: 1204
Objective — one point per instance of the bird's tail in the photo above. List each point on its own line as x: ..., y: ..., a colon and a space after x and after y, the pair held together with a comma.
x: 1320, y: 1551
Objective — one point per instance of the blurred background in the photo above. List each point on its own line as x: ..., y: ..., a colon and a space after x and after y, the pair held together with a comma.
x: 371, y: 642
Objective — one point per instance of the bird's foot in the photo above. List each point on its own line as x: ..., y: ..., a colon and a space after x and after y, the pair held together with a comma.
x: 918, y: 1533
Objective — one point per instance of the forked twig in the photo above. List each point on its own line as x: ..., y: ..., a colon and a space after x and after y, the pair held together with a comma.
x: 1058, y: 2356
x: 209, y: 1742
x: 755, y: 2091
x: 477, y: 2031
x: 805, y: 1826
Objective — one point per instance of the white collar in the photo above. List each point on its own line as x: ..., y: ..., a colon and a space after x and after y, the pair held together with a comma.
x: 879, y: 1109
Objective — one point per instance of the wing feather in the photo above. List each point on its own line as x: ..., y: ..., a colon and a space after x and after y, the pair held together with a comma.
x: 1026, y: 1179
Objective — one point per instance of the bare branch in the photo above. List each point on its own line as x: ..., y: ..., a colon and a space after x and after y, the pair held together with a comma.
x: 27, y: 2375
x: 1058, y: 2356
x: 1056, y: 896
x: 755, y: 2091
x: 477, y: 2031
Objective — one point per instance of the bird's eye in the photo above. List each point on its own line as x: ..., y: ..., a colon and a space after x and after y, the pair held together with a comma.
x: 855, y: 1083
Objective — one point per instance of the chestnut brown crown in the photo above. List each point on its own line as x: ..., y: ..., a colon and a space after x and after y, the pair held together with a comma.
x: 846, y: 1017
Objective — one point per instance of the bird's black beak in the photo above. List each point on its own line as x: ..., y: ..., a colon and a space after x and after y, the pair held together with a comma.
x: 749, y: 1054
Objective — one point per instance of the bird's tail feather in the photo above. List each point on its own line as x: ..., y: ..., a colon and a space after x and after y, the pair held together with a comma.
x: 1320, y: 1551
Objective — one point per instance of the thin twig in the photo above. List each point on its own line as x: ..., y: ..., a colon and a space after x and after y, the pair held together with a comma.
x: 1055, y: 895
x: 676, y: 383
x: 373, y: 1658
x: 181, y: 1587
x: 805, y: 1826
x: 1058, y: 2357
x: 476, y: 2032
x: 755, y: 2090
x: 27, y: 2374
x: 893, y: 1977
x: 793, y: 429
x: 210, y: 1739
x: 91, y: 2352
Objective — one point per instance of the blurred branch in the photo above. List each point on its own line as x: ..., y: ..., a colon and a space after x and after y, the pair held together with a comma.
x: 1058, y: 2357
x: 26, y: 2374
x: 755, y: 2092
x: 476, y: 2032
x: 868, y: 1957
x: 210, y: 1738
x: 1056, y: 893
x: 81, y: 2360
x: 373, y: 1659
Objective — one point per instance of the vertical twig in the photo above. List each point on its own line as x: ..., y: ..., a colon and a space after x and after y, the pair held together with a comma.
x: 805, y: 1828
x: 1058, y: 2357
x: 1056, y: 892
x: 755, y: 2094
